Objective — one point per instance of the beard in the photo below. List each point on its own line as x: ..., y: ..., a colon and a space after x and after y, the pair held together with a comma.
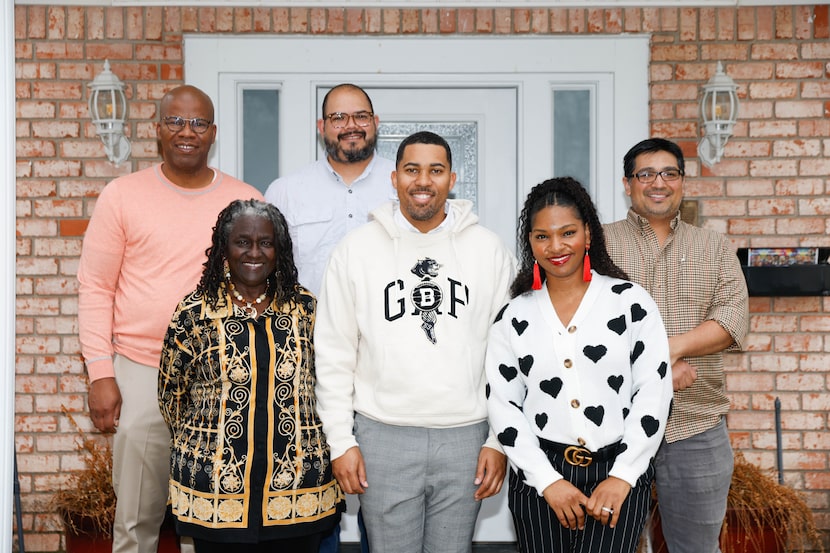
x: 353, y: 155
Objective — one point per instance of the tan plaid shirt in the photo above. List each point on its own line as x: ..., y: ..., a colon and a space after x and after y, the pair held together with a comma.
x: 694, y: 277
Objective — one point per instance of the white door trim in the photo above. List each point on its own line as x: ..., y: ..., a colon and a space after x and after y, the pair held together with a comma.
x: 8, y: 276
x: 619, y: 62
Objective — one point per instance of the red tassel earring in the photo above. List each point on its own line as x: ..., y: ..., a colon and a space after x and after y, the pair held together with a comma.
x: 537, y: 277
x: 586, y: 266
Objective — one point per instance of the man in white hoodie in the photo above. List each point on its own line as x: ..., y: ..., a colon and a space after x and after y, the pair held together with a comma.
x: 406, y: 304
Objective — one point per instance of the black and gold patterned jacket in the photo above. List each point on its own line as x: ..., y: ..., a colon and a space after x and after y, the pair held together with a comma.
x: 249, y: 458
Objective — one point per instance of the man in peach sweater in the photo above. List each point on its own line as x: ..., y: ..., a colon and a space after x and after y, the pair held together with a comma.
x: 143, y: 251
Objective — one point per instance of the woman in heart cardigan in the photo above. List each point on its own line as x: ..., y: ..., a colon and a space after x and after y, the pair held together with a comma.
x: 579, y: 383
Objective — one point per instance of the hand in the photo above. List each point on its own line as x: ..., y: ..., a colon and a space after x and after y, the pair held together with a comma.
x: 683, y: 374
x: 566, y: 501
x: 489, y: 473
x: 350, y: 471
x: 104, y: 401
x: 607, y: 499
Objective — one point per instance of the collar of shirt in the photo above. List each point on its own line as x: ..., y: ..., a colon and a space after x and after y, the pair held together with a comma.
x: 404, y: 224
x: 362, y: 176
x: 643, y: 224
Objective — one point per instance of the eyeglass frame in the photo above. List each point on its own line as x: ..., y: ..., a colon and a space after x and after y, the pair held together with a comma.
x: 662, y: 174
x: 350, y: 116
x: 185, y: 122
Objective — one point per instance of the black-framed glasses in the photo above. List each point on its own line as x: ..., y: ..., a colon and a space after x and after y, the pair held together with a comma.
x: 668, y: 175
x: 339, y: 120
x: 177, y: 124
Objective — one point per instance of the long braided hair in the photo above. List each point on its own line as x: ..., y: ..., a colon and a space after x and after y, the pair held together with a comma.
x: 563, y: 192
x: 282, y: 283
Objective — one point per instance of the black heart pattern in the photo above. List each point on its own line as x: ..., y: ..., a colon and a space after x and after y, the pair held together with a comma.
x: 542, y: 420
x: 637, y: 313
x: 620, y: 288
x: 616, y: 382
x: 617, y: 325
x: 508, y: 437
x: 519, y: 326
x: 622, y: 447
x: 551, y: 387
x: 625, y: 412
x: 525, y: 363
x: 595, y: 414
x: 508, y: 372
x: 487, y: 391
x: 639, y: 348
x: 595, y: 353
x: 663, y: 369
x: 650, y: 425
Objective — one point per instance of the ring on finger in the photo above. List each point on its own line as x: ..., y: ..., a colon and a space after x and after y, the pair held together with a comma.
x: 608, y: 510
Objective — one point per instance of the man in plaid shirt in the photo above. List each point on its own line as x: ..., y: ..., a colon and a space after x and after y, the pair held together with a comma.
x: 696, y: 280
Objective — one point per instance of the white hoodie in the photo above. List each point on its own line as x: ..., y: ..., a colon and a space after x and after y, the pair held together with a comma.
x: 402, y: 324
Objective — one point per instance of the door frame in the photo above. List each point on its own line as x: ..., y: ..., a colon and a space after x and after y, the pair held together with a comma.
x: 616, y: 67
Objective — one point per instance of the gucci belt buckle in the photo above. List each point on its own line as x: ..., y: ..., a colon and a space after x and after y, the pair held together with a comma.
x: 578, y: 456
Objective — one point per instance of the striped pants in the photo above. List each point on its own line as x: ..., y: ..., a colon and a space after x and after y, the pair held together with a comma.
x: 539, y: 531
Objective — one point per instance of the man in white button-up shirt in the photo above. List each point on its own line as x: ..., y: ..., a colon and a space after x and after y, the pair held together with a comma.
x: 328, y: 198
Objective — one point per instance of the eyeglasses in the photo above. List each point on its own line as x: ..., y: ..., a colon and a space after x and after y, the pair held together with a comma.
x: 361, y: 119
x: 177, y: 124
x: 648, y: 177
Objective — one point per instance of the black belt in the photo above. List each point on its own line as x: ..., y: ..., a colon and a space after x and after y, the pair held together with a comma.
x: 579, y: 456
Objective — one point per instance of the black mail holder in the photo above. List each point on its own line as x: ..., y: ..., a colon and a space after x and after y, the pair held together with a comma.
x: 811, y: 279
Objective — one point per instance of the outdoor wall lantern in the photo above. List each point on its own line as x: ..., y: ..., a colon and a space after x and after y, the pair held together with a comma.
x: 108, y: 109
x: 718, y: 110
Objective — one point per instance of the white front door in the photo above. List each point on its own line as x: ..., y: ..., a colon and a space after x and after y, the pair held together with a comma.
x: 515, y: 111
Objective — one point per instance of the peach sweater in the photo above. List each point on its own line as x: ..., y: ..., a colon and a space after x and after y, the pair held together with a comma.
x: 142, y: 253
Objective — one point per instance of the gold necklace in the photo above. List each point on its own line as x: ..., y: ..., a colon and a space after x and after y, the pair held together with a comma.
x: 248, y: 308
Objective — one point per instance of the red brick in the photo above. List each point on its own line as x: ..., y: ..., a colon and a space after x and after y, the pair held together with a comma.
x: 796, y: 148
x: 521, y: 20
x: 299, y: 20
x: 773, y: 128
x: 540, y: 21
x: 799, y: 226
x: 799, y: 70
x: 502, y: 21
x: 772, y: 90
x: 35, y: 109
x: 59, y: 50
x: 317, y: 21
x: 429, y: 21
x: 49, y: 364
x: 73, y: 227
x: 153, y: 17
x: 751, y: 382
x: 748, y: 71
x: 36, y: 266
x: 35, y: 384
x: 374, y: 20
x: 800, y: 187
x: 56, y: 286
x: 815, y: 323
x: 354, y: 20
x: 773, y: 168
x: 224, y: 19
x: 815, y: 167
x: 38, y: 345
x: 770, y: 206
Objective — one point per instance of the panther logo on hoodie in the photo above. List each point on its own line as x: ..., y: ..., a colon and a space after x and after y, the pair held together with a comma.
x: 427, y: 296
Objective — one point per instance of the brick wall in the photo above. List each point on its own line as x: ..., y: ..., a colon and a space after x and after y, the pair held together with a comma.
x: 769, y: 190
